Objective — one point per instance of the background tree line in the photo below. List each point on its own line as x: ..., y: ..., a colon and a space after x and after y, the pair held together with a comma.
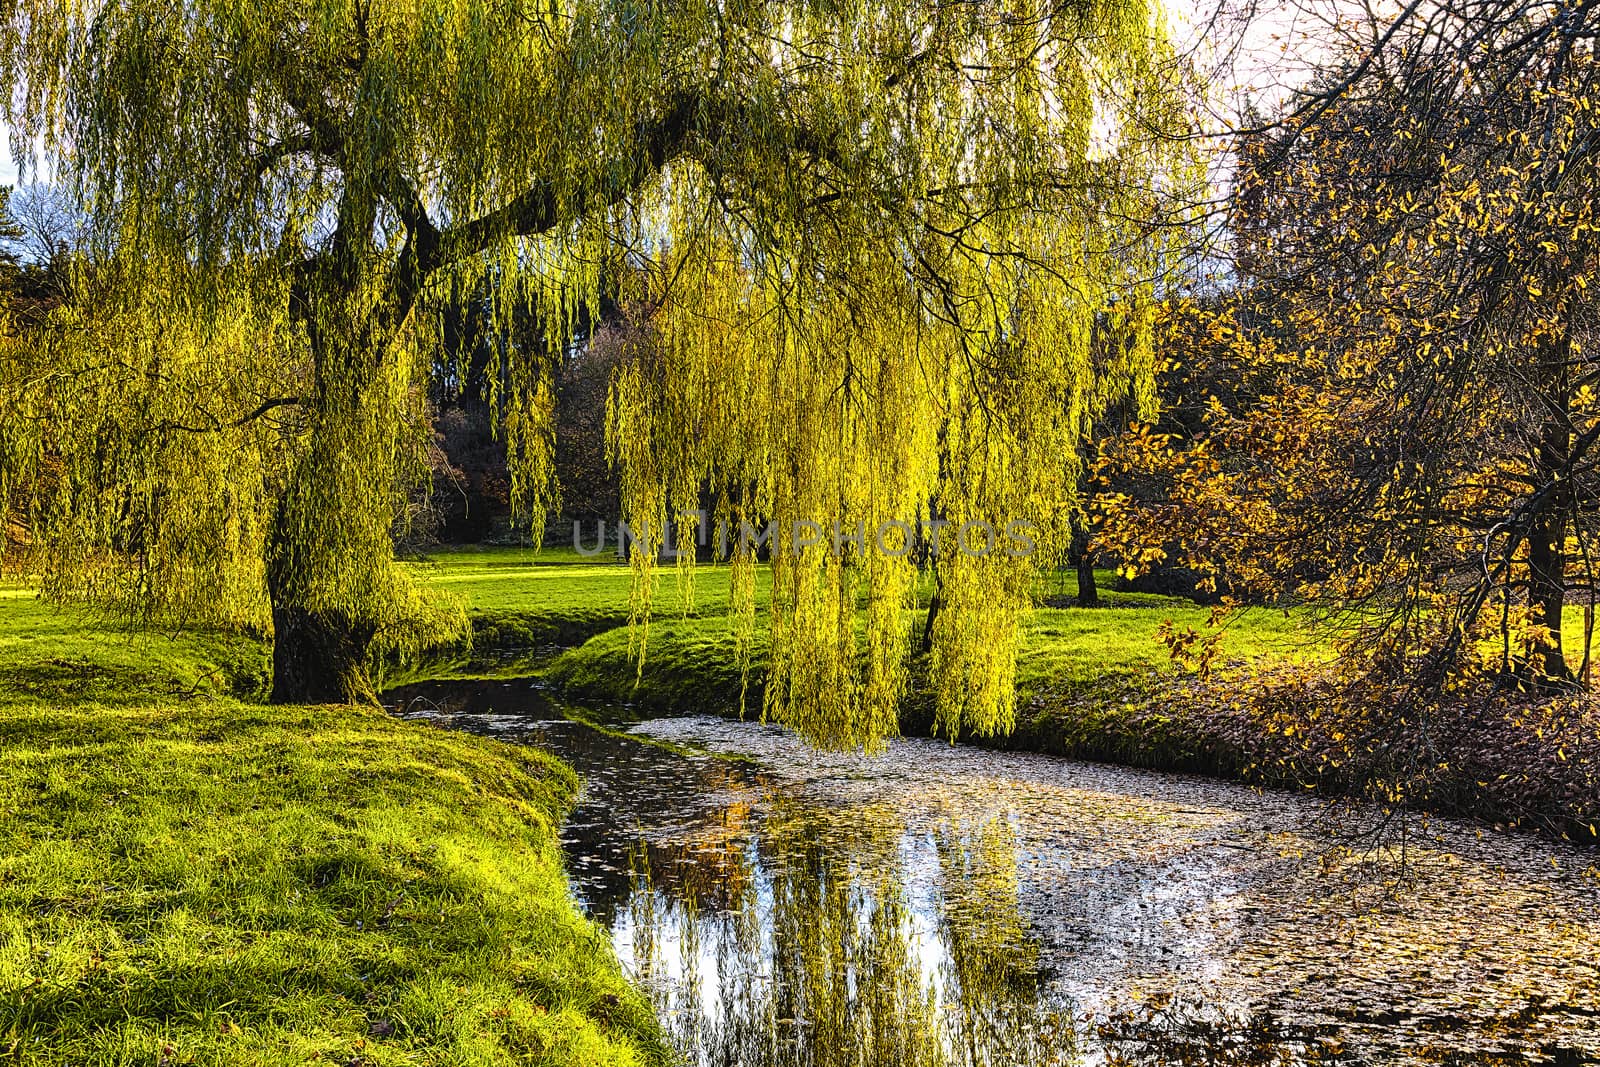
x: 1399, y: 422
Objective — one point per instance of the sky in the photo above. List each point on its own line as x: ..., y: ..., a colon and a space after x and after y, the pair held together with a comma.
x: 1263, y: 51
x: 10, y: 174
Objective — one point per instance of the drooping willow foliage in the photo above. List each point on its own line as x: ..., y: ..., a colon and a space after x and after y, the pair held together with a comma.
x: 883, y: 245
x: 919, y: 363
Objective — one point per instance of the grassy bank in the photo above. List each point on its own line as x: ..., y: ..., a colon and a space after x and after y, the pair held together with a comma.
x: 188, y: 878
x: 692, y: 662
x: 54, y: 655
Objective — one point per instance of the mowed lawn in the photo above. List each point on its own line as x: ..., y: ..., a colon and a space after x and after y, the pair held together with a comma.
x: 527, y: 598
x: 55, y: 653
x: 555, y: 596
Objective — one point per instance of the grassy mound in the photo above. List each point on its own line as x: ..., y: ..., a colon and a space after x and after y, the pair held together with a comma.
x: 691, y: 665
x: 186, y: 878
x: 56, y: 654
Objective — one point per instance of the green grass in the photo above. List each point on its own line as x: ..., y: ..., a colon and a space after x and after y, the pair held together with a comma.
x: 691, y: 664
x: 531, y: 597
x: 1071, y: 647
x: 522, y: 602
x: 559, y: 590
x: 187, y: 878
x: 57, y: 653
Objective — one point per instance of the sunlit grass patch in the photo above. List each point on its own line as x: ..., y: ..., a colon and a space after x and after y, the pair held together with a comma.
x: 690, y: 666
x: 186, y: 878
x: 222, y: 883
x: 54, y: 651
x: 1077, y: 646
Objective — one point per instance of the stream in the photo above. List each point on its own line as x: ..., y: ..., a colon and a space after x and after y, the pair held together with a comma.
x: 952, y: 905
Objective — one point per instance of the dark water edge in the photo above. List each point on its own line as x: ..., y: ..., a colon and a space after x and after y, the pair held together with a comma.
x: 948, y: 905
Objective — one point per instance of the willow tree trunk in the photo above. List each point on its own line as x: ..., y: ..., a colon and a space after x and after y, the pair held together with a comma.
x: 330, y: 524
x: 319, y: 651
x: 319, y: 658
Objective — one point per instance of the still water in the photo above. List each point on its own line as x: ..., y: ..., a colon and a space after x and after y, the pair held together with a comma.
x: 954, y: 906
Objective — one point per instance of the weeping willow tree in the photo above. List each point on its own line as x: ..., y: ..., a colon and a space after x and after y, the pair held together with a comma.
x: 874, y: 238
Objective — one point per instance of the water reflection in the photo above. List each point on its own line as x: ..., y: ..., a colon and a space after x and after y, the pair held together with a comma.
x: 952, y: 907
x: 833, y: 951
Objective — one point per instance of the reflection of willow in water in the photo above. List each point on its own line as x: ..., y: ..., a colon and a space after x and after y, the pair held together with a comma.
x: 992, y: 959
x: 823, y: 961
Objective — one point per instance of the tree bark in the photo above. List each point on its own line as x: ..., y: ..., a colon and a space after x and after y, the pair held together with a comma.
x: 1547, y: 590
x: 320, y: 656
x: 1088, y: 594
x: 319, y: 659
x: 925, y: 645
x: 1547, y: 536
x: 1083, y: 561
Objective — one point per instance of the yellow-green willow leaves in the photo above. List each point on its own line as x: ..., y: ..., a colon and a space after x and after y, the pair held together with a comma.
x: 895, y: 255
x: 937, y: 372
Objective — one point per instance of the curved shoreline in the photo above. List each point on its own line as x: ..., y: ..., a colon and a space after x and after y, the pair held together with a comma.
x: 1492, y: 763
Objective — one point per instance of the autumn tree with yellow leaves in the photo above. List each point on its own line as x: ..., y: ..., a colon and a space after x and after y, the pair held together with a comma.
x: 1418, y: 250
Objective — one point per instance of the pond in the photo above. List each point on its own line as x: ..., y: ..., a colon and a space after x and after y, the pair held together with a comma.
x: 957, y: 906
